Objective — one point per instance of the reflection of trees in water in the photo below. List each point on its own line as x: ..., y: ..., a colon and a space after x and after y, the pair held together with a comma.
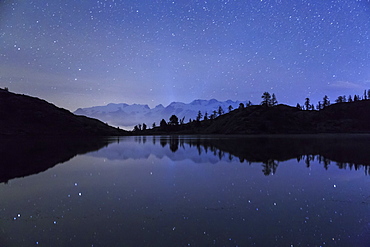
x: 326, y: 162
x: 269, y: 167
x: 347, y: 153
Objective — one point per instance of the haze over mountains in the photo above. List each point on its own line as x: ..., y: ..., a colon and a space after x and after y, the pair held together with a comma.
x: 127, y: 116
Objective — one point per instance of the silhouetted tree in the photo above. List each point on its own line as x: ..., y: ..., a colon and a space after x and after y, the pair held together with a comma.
x: 174, y: 120
x: 356, y: 98
x: 199, y: 116
x: 248, y: 104
x: 136, y: 128
x: 299, y: 106
x: 6, y: 89
x: 266, y: 99
x: 325, y: 101
x: 241, y: 106
x: 307, y: 104
x: 319, y: 106
x: 312, y: 107
x: 365, y: 95
x: 214, y: 114
x: 144, y: 126
x: 153, y: 125
x: 205, y: 116
x: 182, y: 120
x: 339, y: 99
x: 350, y: 98
x: 273, y: 100
x: 220, y: 111
x: 230, y: 108
x: 163, y: 123
x: 368, y: 93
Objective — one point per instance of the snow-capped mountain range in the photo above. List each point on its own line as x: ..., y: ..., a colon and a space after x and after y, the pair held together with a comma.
x: 126, y: 116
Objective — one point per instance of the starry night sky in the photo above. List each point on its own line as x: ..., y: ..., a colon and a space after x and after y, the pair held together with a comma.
x: 85, y: 53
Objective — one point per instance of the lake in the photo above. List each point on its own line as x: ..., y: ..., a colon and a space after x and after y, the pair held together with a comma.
x: 186, y: 191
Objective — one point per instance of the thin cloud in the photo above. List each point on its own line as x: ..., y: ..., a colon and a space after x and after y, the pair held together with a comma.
x: 344, y: 85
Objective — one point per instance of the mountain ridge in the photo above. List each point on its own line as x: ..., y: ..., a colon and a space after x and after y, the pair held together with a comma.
x: 127, y: 116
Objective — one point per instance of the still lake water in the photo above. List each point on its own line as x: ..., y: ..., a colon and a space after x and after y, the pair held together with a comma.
x: 186, y: 191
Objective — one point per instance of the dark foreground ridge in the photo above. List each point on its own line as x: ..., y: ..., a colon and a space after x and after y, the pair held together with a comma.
x: 345, y: 117
x: 24, y: 115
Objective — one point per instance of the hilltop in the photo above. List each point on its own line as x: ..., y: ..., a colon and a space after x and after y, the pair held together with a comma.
x: 346, y: 117
x: 26, y: 115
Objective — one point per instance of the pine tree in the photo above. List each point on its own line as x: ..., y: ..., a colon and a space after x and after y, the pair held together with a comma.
x: 230, y: 108
x: 266, y: 99
x: 220, y: 111
x: 163, y: 123
x: 339, y: 99
x: 307, y: 104
x: 325, y: 102
x: 273, y: 100
x: 199, y: 116
x: 205, y: 116
x: 174, y: 120
x: 319, y: 106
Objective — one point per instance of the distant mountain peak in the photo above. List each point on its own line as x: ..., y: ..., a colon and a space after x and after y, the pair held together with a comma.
x: 127, y: 116
x: 159, y: 106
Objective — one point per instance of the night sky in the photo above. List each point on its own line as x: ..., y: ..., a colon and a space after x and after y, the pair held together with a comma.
x: 86, y: 53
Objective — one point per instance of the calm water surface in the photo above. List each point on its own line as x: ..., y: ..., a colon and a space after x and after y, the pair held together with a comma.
x: 188, y: 191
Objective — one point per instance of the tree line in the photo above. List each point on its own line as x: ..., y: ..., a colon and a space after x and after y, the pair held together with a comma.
x: 307, y: 105
x: 268, y: 100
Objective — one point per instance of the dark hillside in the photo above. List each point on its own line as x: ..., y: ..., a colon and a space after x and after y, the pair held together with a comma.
x: 353, y: 117
x: 25, y: 115
x: 260, y: 119
x: 345, y: 117
x: 350, y: 117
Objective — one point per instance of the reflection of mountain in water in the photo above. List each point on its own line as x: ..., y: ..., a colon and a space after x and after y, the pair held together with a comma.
x: 26, y: 156
x: 143, y: 147
x: 346, y: 151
